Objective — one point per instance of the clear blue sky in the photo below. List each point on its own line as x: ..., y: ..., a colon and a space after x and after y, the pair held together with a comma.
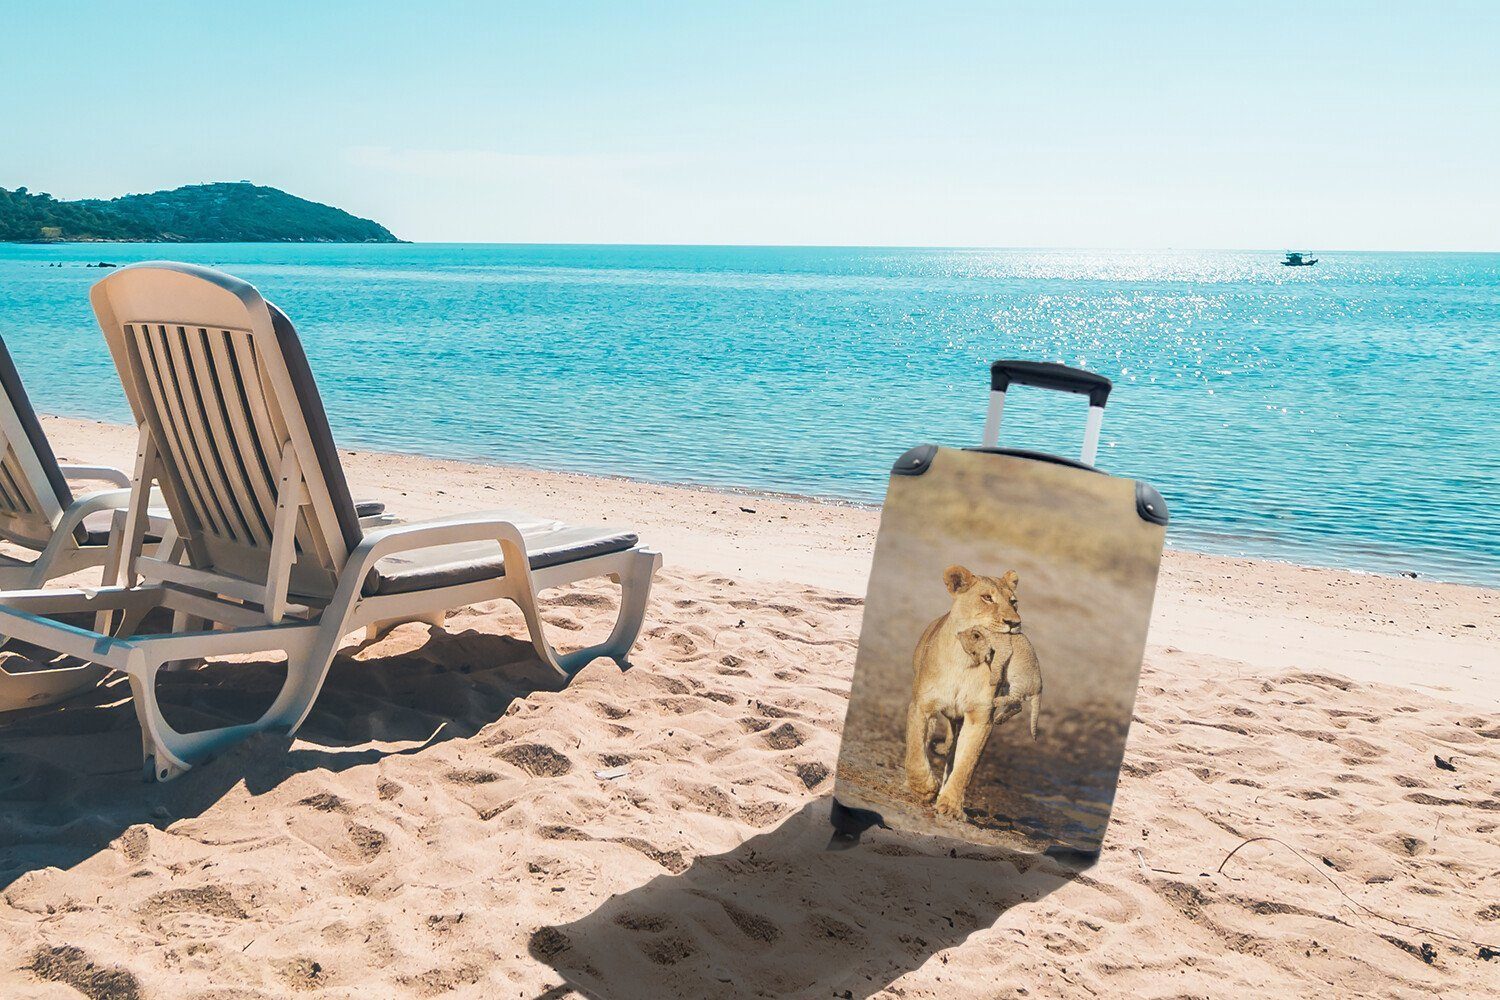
x: 1128, y: 124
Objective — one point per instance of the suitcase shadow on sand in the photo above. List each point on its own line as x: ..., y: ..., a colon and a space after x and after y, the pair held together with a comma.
x: 780, y: 915
x: 70, y: 774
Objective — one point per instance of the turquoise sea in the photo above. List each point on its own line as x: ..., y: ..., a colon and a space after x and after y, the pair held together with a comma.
x: 1340, y: 415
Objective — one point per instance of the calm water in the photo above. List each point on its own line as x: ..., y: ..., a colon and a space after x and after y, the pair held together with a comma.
x: 1339, y: 415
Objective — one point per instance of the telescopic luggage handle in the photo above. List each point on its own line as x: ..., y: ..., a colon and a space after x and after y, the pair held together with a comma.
x: 1048, y: 375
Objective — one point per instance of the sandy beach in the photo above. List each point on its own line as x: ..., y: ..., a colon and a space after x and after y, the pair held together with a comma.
x: 1309, y: 805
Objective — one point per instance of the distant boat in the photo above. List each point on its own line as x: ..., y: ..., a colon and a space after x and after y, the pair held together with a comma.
x: 1298, y: 260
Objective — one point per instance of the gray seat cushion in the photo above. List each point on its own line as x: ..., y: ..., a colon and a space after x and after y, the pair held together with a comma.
x: 549, y: 543
x: 96, y: 528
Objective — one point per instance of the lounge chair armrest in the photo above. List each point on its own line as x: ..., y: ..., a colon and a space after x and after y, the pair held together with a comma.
x: 404, y: 537
x: 92, y: 503
x: 101, y: 473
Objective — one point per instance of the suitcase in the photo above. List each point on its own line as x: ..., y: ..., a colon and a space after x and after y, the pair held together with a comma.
x: 1002, y: 639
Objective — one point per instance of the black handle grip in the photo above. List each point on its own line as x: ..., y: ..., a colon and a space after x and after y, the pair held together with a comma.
x: 1049, y: 375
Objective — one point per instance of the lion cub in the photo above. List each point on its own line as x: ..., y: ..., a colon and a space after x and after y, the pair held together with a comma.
x: 1015, y: 671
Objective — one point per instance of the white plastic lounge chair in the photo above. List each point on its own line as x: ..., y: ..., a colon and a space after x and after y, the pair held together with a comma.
x: 232, y: 428
x: 40, y: 514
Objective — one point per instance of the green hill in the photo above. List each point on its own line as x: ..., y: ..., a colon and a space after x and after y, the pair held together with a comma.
x: 199, y: 213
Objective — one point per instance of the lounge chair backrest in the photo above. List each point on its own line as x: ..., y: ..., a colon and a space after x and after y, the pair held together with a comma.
x: 33, y: 490
x: 218, y: 377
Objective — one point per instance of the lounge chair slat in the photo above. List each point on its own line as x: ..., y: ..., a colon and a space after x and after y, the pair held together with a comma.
x: 215, y: 483
x: 176, y: 437
x: 21, y: 500
x: 222, y: 440
x: 165, y: 429
x: 12, y: 486
x: 13, y: 502
x: 237, y: 412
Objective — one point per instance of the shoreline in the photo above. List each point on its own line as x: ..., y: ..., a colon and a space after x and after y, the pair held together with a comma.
x: 780, y: 496
x: 1230, y: 609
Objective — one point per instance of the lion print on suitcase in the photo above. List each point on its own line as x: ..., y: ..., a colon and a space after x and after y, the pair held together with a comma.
x: 974, y: 669
x: 993, y: 573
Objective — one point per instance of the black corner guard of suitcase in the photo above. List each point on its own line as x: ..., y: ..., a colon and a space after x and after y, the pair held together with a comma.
x: 915, y: 461
x: 1148, y: 502
x: 849, y: 824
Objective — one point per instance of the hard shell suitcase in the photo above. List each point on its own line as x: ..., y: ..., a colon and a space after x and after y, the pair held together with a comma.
x: 1002, y: 640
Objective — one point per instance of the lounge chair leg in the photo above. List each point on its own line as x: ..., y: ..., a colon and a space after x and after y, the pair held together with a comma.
x: 168, y: 753
x: 635, y: 593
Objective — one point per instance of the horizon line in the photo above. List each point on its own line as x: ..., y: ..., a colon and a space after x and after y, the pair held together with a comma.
x: 750, y: 246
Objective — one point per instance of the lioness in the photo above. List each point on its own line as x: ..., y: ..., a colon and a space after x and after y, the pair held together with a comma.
x: 952, y: 690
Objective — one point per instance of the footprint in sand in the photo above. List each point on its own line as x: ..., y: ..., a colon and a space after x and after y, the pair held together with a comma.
x: 536, y: 759
x: 752, y: 925
x: 672, y: 861
x: 835, y: 600
x: 763, y: 814
x: 784, y: 737
x: 649, y: 923
x: 303, y: 974
x: 731, y: 666
x: 549, y: 942
x: 583, y: 599
x: 812, y: 774
x: 669, y: 949
x: 709, y: 799
x: 671, y: 685
x: 71, y: 966
x: 195, y: 912
x: 349, y: 842
x: 135, y: 843
x: 323, y: 802
x: 827, y: 928
x: 442, y: 982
